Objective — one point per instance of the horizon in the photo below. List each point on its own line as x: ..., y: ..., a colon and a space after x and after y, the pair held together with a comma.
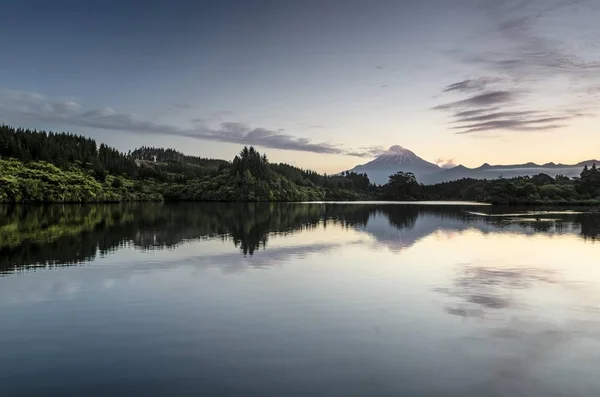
x: 319, y: 85
x: 390, y: 151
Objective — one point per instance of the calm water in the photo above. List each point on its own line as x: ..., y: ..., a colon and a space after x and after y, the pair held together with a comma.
x: 298, y: 300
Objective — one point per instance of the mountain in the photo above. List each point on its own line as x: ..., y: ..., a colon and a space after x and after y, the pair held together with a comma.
x: 487, y: 171
x: 397, y: 158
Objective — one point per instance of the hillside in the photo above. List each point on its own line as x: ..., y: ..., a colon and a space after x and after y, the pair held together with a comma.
x: 40, y: 166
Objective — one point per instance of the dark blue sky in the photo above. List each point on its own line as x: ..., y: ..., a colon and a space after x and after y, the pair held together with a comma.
x: 324, y: 84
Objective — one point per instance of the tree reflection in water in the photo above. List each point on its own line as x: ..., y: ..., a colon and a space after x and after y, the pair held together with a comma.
x: 62, y: 235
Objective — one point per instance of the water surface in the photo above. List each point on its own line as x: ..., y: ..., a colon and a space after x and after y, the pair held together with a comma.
x: 299, y: 299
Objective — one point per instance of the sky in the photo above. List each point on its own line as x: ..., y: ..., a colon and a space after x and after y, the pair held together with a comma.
x: 324, y: 85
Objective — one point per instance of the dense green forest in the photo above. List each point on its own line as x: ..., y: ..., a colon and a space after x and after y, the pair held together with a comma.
x: 538, y: 189
x: 40, y: 166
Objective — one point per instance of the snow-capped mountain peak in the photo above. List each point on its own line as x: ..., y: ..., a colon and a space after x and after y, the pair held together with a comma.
x: 395, y: 155
x: 396, y: 158
x: 397, y: 149
x: 398, y: 155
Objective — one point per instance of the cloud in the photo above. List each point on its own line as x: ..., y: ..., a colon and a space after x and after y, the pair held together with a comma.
x: 494, y: 116
x: 367, y: 151
x: 504, y: 116
x: 528, y: 52
x: 445, y: 163
x: 525, y: 120
x: 515, y: 24
x: 37, y: 107
x: 474, y: 112
x: 515, y: 125
x: 20, y: 96
x: 66, y: 107
x: 472, y: 85
x: 377, y: 150
x: 485, y: 99
x: 518, y: 57
x: 479, y: 289
x: 101, y: 112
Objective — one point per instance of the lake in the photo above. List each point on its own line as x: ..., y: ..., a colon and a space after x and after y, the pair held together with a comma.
x: 367, y: 299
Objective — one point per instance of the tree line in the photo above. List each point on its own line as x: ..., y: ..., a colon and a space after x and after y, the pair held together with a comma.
x: 537, y: 189
x: 40, y: 166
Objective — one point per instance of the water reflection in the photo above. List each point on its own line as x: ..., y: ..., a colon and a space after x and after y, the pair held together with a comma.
x: 294, y: 299
x: 480, y: 290
x: 533, y: 321
x: 62, y: 235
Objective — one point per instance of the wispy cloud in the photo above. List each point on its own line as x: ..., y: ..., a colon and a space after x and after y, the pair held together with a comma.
x: 504, y: 116
x: 468, y: 113
x: 530, y: 54
x: 367, y: 151
x: 517, y: 65
x: 472, y: 85
x: 517, y: 125
x: 493, y: 116
x: 486, y: 99
x: 525, y: 120
x: 69, y: 113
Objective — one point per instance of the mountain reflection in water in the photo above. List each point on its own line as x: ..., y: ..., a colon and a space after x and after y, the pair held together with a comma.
x: 264, y: 299
x: 62, y: 235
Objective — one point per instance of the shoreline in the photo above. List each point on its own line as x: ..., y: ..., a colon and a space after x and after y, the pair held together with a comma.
x: 557, y: 203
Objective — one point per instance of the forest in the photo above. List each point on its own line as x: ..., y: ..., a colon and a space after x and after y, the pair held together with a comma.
x: 535, y: 190
x: 47, y: 167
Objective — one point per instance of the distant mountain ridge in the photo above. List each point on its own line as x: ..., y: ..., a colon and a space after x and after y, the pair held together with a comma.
x: 397, y: 158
